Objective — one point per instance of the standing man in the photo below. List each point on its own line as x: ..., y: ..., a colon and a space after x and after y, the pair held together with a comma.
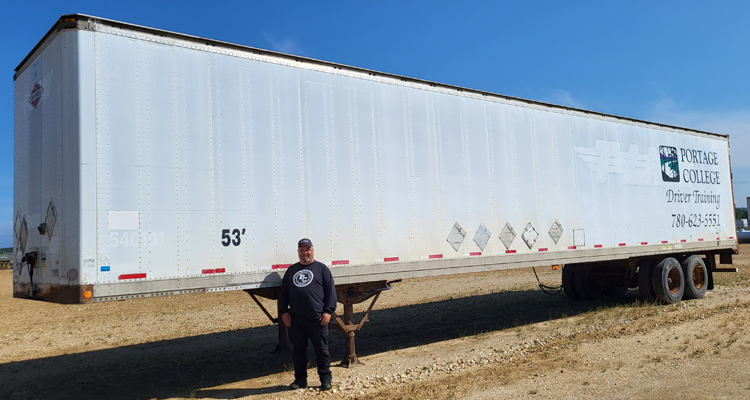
x: 306, y: 300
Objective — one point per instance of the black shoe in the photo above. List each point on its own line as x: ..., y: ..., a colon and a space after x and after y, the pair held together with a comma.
x: 325, y: 386
x: 297, y: 385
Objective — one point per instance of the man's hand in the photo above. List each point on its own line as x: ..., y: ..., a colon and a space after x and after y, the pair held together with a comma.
x: 324, y: 319
x: 287, y: 319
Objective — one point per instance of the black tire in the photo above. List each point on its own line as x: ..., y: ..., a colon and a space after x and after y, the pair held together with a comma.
x: 668, y: 281
x: 587, y: 287
x: 646, y: 279
x: 696, y: 277
x: 568, y: 282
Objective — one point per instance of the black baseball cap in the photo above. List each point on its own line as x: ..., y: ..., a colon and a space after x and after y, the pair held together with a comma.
x: 304, y: 242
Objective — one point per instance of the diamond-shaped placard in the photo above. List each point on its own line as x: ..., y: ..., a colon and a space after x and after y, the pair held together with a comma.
x: 482, y: 236
x: 556, y: 231
x: 529, y: 235
x: 17, y: 224
x: 22, y: 236
x: 456, y: 236
x: 36, y: 94
x: 507, y: 235
x: 51, y: 218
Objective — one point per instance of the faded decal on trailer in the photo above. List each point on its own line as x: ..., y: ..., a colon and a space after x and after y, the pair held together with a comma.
x: 606, y: 158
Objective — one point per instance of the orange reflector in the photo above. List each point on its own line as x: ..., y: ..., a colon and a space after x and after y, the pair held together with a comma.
x: 555, y: 267
x: 87, y: 294
x: 69, y: 20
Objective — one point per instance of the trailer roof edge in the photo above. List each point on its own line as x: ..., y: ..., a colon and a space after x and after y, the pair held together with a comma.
x: 71, y: 21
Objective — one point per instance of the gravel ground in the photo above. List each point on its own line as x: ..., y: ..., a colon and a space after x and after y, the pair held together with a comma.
x: 474, y: 336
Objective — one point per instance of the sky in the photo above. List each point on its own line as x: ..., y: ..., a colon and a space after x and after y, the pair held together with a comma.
x: 682, y: 63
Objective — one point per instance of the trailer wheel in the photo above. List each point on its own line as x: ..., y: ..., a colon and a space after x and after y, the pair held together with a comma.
x: 668, y: 281
x: 696, y: 277
x: 568, y: 282
x: 645, y: 280
x: 586, y: 286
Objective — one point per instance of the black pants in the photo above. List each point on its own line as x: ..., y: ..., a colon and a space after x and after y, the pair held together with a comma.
x: 301, y: 330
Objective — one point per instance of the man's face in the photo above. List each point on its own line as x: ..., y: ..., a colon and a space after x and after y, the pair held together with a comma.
x: 306, y: 255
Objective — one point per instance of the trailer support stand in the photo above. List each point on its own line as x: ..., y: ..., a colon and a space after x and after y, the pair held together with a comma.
x: 349, y: 327
x: 282, y: 345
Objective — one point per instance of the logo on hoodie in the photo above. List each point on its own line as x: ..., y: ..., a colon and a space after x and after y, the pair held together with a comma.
x: 302, y: 278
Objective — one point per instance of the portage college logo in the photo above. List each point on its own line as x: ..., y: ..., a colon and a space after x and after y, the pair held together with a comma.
x: 302, y: 278
x: 670, y: 170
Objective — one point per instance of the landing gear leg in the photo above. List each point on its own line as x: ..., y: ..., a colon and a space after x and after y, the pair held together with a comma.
x: 272, y: 294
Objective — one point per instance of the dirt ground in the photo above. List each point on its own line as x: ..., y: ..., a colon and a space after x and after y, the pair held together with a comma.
x: 474, y: 336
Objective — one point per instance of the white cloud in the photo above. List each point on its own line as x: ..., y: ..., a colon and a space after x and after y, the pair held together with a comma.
x: 563, y: 98
x: 285, y: 45
x: 735, y: 123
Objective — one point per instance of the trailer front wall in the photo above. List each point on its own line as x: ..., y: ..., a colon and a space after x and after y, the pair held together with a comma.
x: 46, y: 184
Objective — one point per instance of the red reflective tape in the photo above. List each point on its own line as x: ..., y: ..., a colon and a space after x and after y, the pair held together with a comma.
x: 280, y: 266
x: 664, y: 241
x: 340, y: 262
x: 644, y: 243
x: 571, y: 247
x: 621, y: 244
x: 596, y: 246
x: 509, y: 251
x: 731, y: 237
x: 475, y: 253
x: 436, y: 256
x: 700, y: 240
x: 543, y: 249
x: 683, y: 240
x: 208, y: 271
x: 132, y: 276
x: 389, y: 259
x: 221, y: 270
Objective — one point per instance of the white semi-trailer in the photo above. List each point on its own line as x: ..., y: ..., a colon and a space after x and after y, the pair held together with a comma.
x: 151, y: 163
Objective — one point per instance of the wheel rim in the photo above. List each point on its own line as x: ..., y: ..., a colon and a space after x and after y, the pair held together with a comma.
x: 673, y: 280
x: 698, y: 277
